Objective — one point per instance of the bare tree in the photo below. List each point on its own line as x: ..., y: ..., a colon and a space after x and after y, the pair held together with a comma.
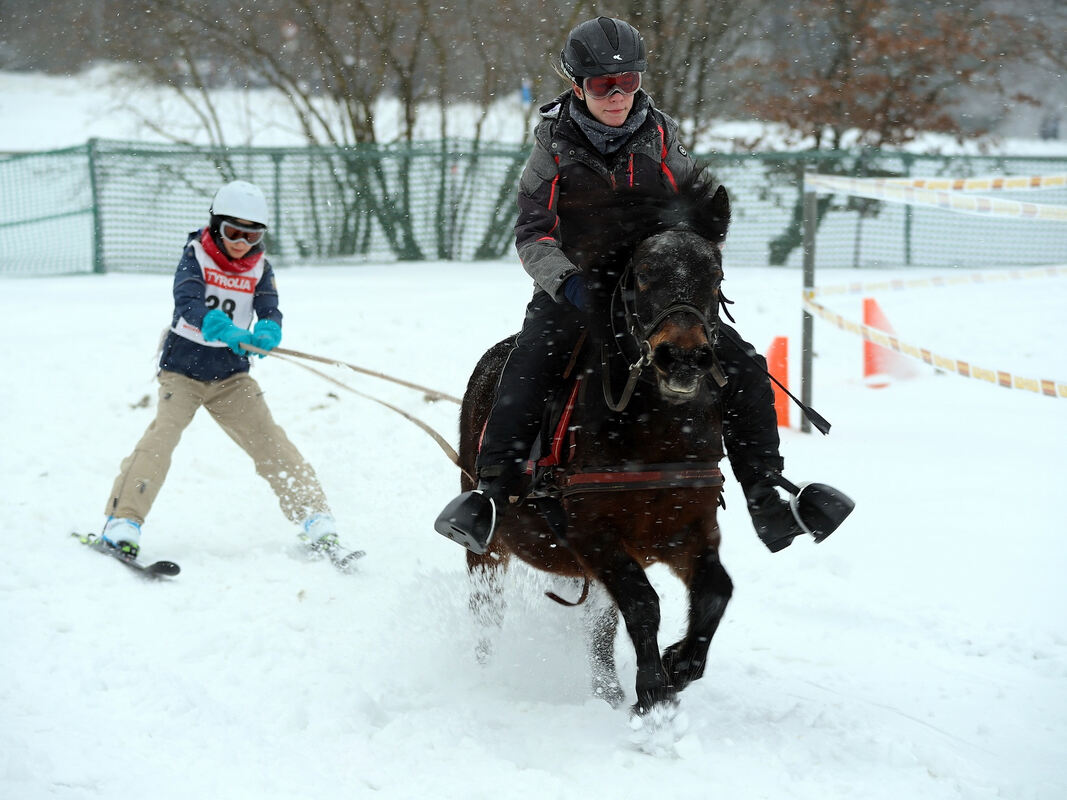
x: 1044, y: 70
x: 332, y: 62
x: 694, y: 47
x: 880, y: 72
x: 515, y: 44
x: 859, y: 75
x: 852, y: 63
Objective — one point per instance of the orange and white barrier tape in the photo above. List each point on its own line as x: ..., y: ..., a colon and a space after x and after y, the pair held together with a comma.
x: 940, y: 281
x: 956, y: 366
x: 881, y: 189
x: 1007, y: 183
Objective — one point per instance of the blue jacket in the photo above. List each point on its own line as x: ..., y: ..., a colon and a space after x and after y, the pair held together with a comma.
x: 195, y: 360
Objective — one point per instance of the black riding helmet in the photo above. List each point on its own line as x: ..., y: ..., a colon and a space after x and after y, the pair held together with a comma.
x: 602, y: 46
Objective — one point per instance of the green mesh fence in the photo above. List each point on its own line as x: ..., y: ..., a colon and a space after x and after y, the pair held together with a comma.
x: 112, y: 205
x: 46, y: 213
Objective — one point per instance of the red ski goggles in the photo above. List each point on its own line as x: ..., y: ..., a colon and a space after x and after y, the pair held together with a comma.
x: 233, y: 232
x: 601, y: 86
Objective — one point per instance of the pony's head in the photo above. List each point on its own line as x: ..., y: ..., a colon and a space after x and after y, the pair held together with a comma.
x: 670, y: 290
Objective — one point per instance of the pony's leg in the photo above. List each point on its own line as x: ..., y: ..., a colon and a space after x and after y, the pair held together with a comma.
x: 487, y: 602
x: 639, y: 605
x: 601, y: 623
x: 710, y: 589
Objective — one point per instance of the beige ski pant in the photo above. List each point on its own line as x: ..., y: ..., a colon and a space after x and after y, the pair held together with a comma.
x: 237, y: 405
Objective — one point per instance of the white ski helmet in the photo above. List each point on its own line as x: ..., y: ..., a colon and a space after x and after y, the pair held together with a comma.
x: 240, y: 200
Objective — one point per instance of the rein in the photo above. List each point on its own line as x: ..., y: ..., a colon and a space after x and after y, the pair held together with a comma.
x: 631, y: 380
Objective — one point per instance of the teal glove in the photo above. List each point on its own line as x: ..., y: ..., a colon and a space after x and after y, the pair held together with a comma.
x: 218, y: 327
x: 266, y: 335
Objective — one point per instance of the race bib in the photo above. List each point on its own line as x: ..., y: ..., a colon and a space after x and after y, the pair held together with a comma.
x: 230, y: 292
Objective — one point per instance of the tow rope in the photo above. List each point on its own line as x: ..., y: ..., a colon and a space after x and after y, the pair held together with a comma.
x: 290, y: 356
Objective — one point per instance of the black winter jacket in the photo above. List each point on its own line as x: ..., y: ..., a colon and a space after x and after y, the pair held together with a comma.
x: 565, y: 192
x: 567, y: 183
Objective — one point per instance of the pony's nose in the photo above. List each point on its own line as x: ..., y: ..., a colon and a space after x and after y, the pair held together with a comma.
x: 670, y: 357
x: 704, y: 358
x: 665, y: 356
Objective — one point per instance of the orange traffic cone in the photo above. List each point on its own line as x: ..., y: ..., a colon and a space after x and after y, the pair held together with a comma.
x: 778, y: 366
x: 880, y: 364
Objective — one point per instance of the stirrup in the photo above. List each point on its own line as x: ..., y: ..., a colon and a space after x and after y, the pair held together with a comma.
x: 820, y: 509
x: 469, y: 520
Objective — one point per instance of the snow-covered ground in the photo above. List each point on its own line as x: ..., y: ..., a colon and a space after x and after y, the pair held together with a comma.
x: 920, y: 652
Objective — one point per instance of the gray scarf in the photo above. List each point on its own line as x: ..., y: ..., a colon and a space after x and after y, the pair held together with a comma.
x: 606, y: 138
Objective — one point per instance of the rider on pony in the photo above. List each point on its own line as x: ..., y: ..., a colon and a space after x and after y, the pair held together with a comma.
x: 603, y: 142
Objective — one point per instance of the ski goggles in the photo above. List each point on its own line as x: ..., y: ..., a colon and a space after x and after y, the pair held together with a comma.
x: 233, y: 232
x: 601, y: 86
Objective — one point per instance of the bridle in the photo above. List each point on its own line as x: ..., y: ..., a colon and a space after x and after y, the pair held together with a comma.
x: 638, y: 333
x: 633, y: 335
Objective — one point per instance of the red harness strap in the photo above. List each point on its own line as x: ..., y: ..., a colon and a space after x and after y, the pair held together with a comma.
x: 559, y: 436
x: 654, y: 476
x: 657, y: 476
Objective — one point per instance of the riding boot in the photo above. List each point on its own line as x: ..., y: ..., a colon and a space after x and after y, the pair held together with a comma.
x: 531, y: 374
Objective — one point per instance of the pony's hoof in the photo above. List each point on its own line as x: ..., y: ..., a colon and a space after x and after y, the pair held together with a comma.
x: 658, y: 729
x: 640, y: 710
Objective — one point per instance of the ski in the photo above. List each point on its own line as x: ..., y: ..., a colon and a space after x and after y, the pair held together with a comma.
x: 157, y: 569
x: 340, y: 556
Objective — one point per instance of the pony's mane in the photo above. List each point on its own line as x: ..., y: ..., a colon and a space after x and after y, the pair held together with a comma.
x: 696, y: 206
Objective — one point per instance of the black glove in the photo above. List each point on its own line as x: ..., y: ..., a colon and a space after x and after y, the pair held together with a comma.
x: 772, y: 517
x: 575, y: 291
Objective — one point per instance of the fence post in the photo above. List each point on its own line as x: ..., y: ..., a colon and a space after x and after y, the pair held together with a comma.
x: 807, y: 330
x: 98, y: 224
x: 907, y: 215
x: 276, y: 237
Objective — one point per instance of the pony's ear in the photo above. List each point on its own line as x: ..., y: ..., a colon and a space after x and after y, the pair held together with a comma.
x: 713, y: 215
x: 720, y: 210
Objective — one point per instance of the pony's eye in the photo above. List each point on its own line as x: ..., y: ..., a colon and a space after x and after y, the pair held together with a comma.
x: 642, y: 276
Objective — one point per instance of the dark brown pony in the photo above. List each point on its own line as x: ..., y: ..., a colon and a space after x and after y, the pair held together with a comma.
x: 644, y: 483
